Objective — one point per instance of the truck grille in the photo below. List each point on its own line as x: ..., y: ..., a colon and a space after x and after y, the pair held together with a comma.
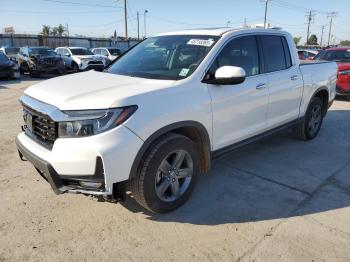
x: 95, y: 63
x: 40, y: 127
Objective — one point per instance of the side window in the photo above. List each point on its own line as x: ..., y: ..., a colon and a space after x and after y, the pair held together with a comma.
x: 97, y: 51
x: 59, y: 51
x: 104, y: 52
x: 287, y: 52
x: 274, y: 56
x: 242, y: 52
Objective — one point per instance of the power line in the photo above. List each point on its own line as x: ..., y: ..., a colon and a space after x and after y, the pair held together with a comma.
x: 81, y: 4
x: 58, y: 13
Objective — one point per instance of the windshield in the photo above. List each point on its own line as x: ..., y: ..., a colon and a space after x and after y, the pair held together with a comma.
x: 3, y: 57
x: 334, y: 55
x: 41, y: 51
x: 114, y: 51
x: 81, y: 51
x: 172, y: 57
x: 12, y: 50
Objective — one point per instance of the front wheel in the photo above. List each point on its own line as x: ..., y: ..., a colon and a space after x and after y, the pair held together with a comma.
x: 167, y: 175
x: 310, y: 127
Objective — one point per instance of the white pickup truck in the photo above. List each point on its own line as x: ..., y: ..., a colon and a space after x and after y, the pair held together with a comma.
x: 158, y: 116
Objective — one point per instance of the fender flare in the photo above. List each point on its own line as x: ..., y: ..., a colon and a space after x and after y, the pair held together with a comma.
x: 166, y: 129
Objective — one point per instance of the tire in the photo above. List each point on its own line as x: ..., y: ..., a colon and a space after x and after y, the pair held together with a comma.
x: 75, y: 68
x: 34, y: 74
x: 311, y: 125
x: 23, y: 68
x: 155, y: 189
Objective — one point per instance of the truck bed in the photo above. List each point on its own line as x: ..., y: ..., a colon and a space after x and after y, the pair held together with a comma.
x: 313, y: 62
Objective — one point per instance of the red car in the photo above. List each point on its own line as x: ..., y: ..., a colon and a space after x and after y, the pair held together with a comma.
x: 341, y: 55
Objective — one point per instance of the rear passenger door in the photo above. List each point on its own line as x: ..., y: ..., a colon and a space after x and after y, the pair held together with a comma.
x: 285, y: 81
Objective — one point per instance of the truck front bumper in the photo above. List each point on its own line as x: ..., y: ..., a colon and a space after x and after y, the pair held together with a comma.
x: 63, y: 184
x: 90, y: 165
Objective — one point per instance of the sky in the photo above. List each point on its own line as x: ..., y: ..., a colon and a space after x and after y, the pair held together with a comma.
x: 99, y: 18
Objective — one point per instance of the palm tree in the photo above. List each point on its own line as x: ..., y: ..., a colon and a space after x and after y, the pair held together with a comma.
x: 46, y: 30
x: 54, y: 31
x: 60, y: 29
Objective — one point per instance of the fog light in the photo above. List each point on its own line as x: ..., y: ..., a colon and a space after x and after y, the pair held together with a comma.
x: 91, y: 184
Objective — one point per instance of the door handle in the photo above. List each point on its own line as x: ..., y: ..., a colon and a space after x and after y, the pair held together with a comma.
x: 294, y: 77
x: 261, y: 86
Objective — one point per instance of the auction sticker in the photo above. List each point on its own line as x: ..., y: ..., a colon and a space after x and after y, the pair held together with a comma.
x: 201, y: 42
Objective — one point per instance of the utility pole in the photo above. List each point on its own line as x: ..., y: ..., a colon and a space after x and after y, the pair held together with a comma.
x: 126, y: 20
x: 321, y: 42
x: 67, y: 29
x: 310, y: 18
x: 245, y: 22
x: 144, y: 22
x: 266, y: 4
x: 138, y: 26
x: 331, y: 16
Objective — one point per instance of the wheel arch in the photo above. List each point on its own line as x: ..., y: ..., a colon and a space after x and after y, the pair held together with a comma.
x: 191, y: 129
x: 323, y: 94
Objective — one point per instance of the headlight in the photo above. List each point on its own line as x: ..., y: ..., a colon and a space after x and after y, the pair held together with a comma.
x: 92, y: 122
x: 344, y: 72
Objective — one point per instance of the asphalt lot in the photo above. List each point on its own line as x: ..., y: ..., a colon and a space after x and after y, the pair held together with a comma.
x: 278, y: 200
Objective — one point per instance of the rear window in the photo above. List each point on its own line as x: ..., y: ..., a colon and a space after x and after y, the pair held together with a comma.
x: 276, y: 56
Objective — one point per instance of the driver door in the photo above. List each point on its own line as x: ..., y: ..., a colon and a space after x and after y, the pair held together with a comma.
x: 239, y: 111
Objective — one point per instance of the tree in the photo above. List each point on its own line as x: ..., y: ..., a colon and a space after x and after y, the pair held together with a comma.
x: 312, y: 40
x: 297, y: 40
x: 345, y: 43
x: 54, y: 31
x: 60, y: 29
x: 46, y: 30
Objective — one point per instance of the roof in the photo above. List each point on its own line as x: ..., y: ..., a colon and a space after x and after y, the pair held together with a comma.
x: 338, y: 48
x: 218, y: 31
x: 76, y: 47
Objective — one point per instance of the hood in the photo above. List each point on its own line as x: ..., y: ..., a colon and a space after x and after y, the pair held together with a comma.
x: 88, y: 57
x: 343, y: 66
x: 93, y: 90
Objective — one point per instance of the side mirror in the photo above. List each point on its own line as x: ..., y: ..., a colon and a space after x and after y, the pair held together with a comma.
x: 228, y: 75
x: 67, y: 54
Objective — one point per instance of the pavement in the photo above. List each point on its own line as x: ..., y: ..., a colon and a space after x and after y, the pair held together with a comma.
x: 280, y: 199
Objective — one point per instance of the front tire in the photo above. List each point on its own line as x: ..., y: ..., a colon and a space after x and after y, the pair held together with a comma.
x: 310, y: 127
x: 167, y: 174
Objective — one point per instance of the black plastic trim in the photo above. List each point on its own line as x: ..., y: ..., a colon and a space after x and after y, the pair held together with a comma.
x: 163, y: 131
x: 57, y: 181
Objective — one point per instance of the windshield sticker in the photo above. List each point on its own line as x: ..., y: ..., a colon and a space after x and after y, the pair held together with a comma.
x: 201, y: 42
x: 184, y: 72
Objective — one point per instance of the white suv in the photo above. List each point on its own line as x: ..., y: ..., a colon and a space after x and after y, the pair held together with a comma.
x: 160, y: 113
x: 80, y: 59
x: 110, y: 52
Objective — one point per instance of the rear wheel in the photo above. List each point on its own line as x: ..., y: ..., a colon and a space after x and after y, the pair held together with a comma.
x: 167, y: 175
x: 312, y: 123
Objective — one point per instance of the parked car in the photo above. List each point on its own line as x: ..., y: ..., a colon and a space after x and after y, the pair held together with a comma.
x: 80, y: 59
x: 307, y: 54
x: 110, y: 52
x: 8, y: 68
x: 10, y: 52
x: 39, y: 60
x: 340, y: 55
x: 164, y: 110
